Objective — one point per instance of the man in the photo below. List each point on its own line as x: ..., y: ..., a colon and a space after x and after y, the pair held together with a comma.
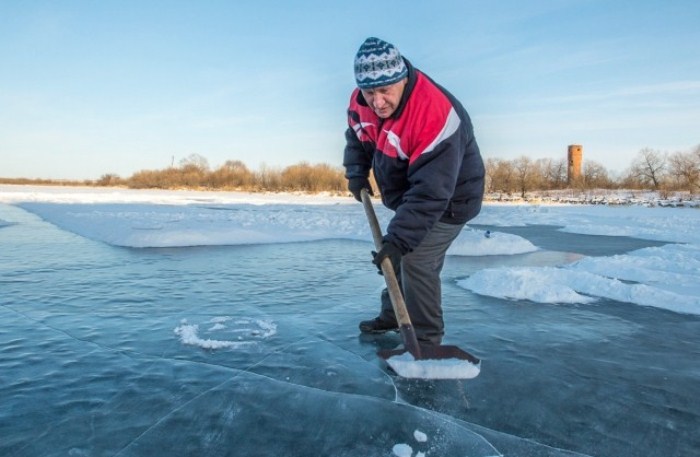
x: 419, y: 141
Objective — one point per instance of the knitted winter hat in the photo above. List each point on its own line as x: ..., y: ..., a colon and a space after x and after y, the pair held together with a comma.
x: 378, y: 63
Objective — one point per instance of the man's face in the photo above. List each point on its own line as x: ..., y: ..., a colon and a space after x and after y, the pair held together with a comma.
x: 385, y: 99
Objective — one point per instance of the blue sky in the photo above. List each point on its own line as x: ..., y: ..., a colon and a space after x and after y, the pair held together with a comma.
x: 88, y: 88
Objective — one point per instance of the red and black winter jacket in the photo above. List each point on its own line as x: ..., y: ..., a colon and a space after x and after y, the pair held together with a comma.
x: 425, y: 159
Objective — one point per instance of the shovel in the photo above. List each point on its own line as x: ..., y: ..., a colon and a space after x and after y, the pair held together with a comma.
x: 446, y: 362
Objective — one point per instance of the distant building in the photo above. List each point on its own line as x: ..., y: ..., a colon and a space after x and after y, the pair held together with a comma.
x: 575, y: 159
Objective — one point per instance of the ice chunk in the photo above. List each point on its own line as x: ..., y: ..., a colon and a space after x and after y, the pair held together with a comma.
x: 402, y: 450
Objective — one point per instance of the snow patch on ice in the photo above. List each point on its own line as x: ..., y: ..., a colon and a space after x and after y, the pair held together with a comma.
x: 666, y: 277
x: 406, y: 366
x: 472, y: 242
x: 543, y: 285
x: 673, y: 267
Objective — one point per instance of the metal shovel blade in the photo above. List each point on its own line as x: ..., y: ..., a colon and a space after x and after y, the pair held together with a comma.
x: 436, y: 362
x: 433, y: 353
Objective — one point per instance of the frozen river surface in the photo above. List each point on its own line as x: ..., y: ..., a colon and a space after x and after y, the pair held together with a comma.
x: 253, y: 350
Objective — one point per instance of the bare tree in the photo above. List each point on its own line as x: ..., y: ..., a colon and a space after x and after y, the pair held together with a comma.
x: 492, y: 179
x: 524, y: 174
x: 595, y: 176
x: 193, y: 171
x: 109, y: 179
x: 649, y: 167
x: 684, y: 168
x: 552, y: 173
x: 312, y: 178
x: 195, y: 161
x: 235, y: 166
x: 502, y: 175
x: 490, y: 166
x: 268, y: 178
x: 233, y: 173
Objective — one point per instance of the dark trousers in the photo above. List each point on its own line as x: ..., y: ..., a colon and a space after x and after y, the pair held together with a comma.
x: 419, y: 277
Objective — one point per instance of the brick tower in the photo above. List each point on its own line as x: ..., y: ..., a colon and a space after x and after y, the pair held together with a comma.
x: 575, y: 159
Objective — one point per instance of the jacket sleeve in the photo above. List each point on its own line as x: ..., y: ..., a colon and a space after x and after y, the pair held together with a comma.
x: 432, y: 178
x: 356, y: 159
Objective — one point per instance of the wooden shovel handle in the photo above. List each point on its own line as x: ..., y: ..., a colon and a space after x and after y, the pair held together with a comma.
x: 392, y: 283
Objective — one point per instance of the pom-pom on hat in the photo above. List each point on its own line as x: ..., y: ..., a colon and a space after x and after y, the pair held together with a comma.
x: 378, y: 63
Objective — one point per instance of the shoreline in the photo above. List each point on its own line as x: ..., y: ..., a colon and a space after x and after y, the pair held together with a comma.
x: 13, y: 193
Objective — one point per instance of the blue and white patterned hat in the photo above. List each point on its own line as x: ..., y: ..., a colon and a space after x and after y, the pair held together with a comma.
x: 378, y: 63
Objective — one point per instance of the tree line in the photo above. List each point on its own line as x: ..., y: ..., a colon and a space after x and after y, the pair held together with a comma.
x: 194, y: 172
x: 650, y: 169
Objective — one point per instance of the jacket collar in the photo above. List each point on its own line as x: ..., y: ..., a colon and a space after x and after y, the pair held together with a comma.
x: 408, y: 90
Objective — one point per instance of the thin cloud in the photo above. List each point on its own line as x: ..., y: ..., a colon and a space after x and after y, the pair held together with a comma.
x: 671, y: 88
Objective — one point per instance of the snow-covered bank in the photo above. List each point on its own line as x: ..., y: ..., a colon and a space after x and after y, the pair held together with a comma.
x: 60, y: 194
x: 602, y: 197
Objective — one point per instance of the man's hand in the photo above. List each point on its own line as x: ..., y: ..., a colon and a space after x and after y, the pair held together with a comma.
x: 392, y: 252
x: 355, y: 185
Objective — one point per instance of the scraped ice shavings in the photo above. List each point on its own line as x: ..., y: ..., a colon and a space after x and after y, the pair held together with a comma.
x: 188, y: 335
x: 246, y: 332
x: 406, y: 366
